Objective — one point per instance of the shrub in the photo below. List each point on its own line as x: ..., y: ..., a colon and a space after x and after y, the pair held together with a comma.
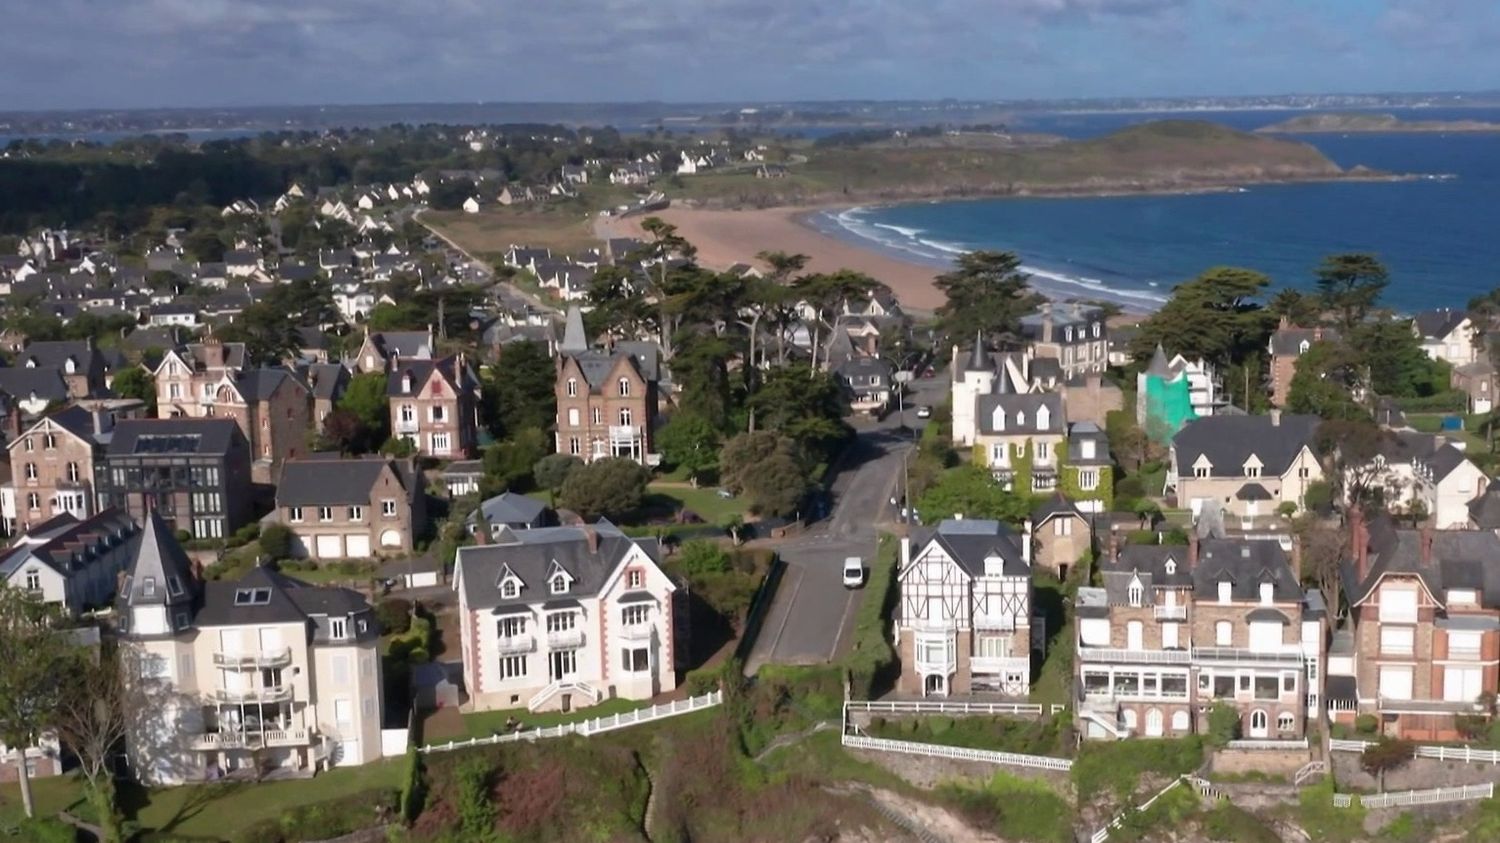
x: 1118, y: 766
x: 413, y: 787
x: 1366, y: 724
x: 872, y: 655
x: 276, y: 541
x: 244, y: 535
x: 1016, y: 808
x: 1223, y: 724
x: 323, y: 820
x: 476, y: 810
x: 702, y: 557
x: 47, y: 830
x: 394, y: 615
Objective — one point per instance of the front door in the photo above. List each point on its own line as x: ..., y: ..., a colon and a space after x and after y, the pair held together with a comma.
x: 935, y: 685
x: 1259, y: 724
x: 1154, y: 723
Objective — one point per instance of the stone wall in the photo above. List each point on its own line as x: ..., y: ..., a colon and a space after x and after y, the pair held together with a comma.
x: 1418, y: 774
x: 1275, y: 762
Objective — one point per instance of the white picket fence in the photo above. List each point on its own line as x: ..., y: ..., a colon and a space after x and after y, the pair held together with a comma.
x: 958, y: 753
x: 595, y: 726
x: 1103, y: 834
x: 1435, y: 796
x: 1466, y: 754
x: 944, y: 707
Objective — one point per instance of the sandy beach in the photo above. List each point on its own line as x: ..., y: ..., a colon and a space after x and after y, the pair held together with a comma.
x: 725, y: 238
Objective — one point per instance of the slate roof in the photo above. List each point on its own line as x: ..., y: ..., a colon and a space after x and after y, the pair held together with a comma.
x: 1253, y: 492
x: 326, y: 380
x: 286, y: 600
x: 1484, y: 510
x: 56, y: 353
x: 1246, y: 563
x: 194, y: 436
x: 1228, y: 441
x: 44, y: 383
x: 70, y: 546
x: 509, y: 508
x: 1150, y: 562
x: 156, y: 562
x: 320, y: 481
x: 1437, y: 324
x: 1054, y: 507
x: 403, y: 343
x: 1287, y: 342
x: 531, y: 554
x: 969, y: 541
x: 1079, y: 432
x: 1027, y: 403
x: 575, y: 339
x: 261, y: 384
x: 421, y: 371
x: 1459, y: 559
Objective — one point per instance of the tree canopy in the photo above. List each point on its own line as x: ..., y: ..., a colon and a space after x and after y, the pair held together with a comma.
x: 1351, y: 284
x: 986, y: 292
x: 969, y: 491
x: 611, y: 487
x: 1216, y: 316
x: 521, y: 392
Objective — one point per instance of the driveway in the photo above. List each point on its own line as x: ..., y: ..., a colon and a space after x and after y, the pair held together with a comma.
x: 812, y: 614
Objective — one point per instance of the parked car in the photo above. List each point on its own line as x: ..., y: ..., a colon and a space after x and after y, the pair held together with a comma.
x: 854, y: 572
x: 924, y: 412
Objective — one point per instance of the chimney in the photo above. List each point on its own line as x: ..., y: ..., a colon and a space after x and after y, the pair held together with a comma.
x: 104, y: 421
x: 1275, y: 418
x: 1297, y: 557
x: 1026, y: 542
x: 1285, y: 322
x: 1192, y: 559
x: 1112, y: 550
x: 1047, y: 322
x: 591, y: 536
x: 1359, y: 542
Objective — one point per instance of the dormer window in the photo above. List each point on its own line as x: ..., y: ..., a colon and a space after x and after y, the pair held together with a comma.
x: 1171, y: 566
x: 251, y: 596
x: 338, y: 628
x: 406, y: 382
x: 1020, y: 418
x: 1200, y: 471
x: 1303, y: 346
x: 148, y: 587
x: 174, y: 586
x: 1224, y: 588
x: 558, y: 584
x: 69, y: 366
x: 1267, y: 592
x: 510, y: 590
x: 1137, y: 592
x: 1252, y: 470
x: 1043, y: 418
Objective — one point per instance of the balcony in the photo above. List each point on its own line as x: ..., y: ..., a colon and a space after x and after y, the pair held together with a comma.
x: 1465, y: 654
x: 209, y: 741
x: 624, y: 433
x: 515, y: 645
x: 265, y: 660
x: 1002, y: 623
x: 407, y: 425
x: 635, y: 632
x: 565, y: 639
x: 1239, y: 654
x: 269, y: 694
x: 1000, y: 665
x: 1111, y: 654
x: 1169, y: 613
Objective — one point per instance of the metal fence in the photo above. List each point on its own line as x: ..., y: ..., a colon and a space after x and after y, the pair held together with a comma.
x: 1434, y: 796
x: 594, y: 726
x: 1103, y: 834
x: 944, y: 707
x: 959, y: 753
x: 1466, y: 754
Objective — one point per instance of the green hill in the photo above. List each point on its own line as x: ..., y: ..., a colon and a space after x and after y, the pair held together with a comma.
x: 1367, y: 122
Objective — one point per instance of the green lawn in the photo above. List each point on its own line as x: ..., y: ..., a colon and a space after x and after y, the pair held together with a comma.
x: 482, y: 724
x: 212, y: 811
x: 704, y: 502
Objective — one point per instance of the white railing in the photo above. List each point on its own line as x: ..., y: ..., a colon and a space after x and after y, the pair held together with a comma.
x: 1103, y: 834
x: 958, y: 753
x: 594, y: 726
x: 273, y: 693
x: 565, y: 639
x: 943, y: 707
x: 1463, y: 653
x: 1308, y: 771
x: 984, y: 664
x: 1434, y: 796
x: 407, y: 425
x: 1169, y: 613
x: 564, y: 686
x: 265, y: 659
x: 1240, y: 654
x: 1466, y: 754
x: 1111, y: 654
x: 236, y: 740
x: 636, y: 632
x: 1264, y: 743
x: 515, y: 644
x: 944, y: 665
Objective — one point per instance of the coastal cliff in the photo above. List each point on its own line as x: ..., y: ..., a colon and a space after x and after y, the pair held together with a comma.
x: 1169, y: 156
x: 1363, y: 122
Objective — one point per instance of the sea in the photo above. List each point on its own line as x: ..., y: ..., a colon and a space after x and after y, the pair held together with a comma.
x: 1439, y: 235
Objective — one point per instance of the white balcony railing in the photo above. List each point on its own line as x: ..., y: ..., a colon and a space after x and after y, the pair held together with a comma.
x: 515, y: 644
x: 1169, y: 613
x: 1239, y: 654
x: 1463, y: 653
x: 407, y: 425
x: 1001, y: 665
x: 268, y: 659
x: 636, y: 632
x: 238, y: 740
x: 943, y: 664
x: 1111, y: 654
x: 1006, y: 623
x: 623, y: 433
x: 271, y: 693
x: 565, y: 639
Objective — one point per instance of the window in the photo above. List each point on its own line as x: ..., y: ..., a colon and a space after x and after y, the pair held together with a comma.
x: 624, y: 387
x: 1094, y: 631
x: 635, y: 615
x: 636, y: 660
x: 573, y: 416
x: 49, y: 442
x: 441, y: 443
x: 1136, y: 592
x: 1397, y: 640
x: 33, y: 580
x: 509, y: 590
x: 1464, y: 644
x: 407, y: 413
x: 1252, y: 471
x: 1170, y: 636
x: 388, y: 508
x: 558, y: 584
x: 1200, y: 471
x: 174, y: 391
x: 437, y: 412
x: 1398, y: 605
x: 634, y: 578
x: 1462, y: 684
x: 1044, y: 451
x: 561, y: 621
x: 1288, y: 683
x: 1223, y: 634
x: 1286, y: 722
x: 1224, y: 590
x: 597, y: 415
x: 1088, y: 479
x: 625, y: 417
x: 1395, y: 683
x: 338, y: 628
x: 72, y: 472
x: 573, y: 446
x: 294, y: 514
x: 1267, y: 592
x: 1267, y: 688
x: 1462, y: 595
x: 356, y: 513
x: 27, y: 444
x: 512, y: 667
x: 174, y: 586
x: 511, y: 627
x: 1304, y: 473
x: 148, y: 587
x: 31, y: 471
x: 325, y: 513
x: 33, y: 500
x: 1062, y: 527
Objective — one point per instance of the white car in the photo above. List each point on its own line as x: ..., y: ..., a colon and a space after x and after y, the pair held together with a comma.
x: 924, y: 412
x: 854, y: 572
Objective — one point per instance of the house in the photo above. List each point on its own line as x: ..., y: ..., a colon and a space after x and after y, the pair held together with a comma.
x: 1249, y: 465
x: 84, y: 369
x: 771, y: 171
x: 1420, y: 474
x: 194, y: 473
x: 1287, y: 345
x: 52, y: 466
x: 867, y: 382
x: 977, y: 376
x: 69, y: 563
x: 342, y: 508
x: 1169, y: 393
x: 380, y: 347
x: 1021, y: 439
x: 1477, y: 381
x: 963, y: 613
x: 228, y: 676
x: 562, y: 617
x: 187, y: 377
x: 1088, y: 467
x: 471, y: 205
x: 573, y: 174
x: 1073, y: 334
x: 435, y: 405
x: 634, y: 173
x: 326, y: 382
x: 242, y: 263
x: 1447, y: 335
x: 1419, y: 645
x: 1174, y: 630
x: 509, y: 510
x: 606, y: 400
x: 1061, y: 535
x: 30, y: 392
x: 461, y: 477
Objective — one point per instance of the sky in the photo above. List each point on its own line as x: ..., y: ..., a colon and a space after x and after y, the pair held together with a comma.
x: 155, y: 53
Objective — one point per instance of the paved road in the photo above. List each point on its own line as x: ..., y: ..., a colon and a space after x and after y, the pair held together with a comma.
x: 811, y: 617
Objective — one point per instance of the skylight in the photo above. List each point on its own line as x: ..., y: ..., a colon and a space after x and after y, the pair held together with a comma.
x: 252, y: 596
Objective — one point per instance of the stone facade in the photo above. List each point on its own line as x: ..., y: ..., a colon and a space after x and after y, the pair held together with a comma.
x: 614, y: 416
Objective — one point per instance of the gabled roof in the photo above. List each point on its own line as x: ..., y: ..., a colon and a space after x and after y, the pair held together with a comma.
x: 331, y: 481
x: 509, y: 508
x: 1437, y: 324
x: 68, y: 546
x: 1229, y: 441
x: 174, y: 436
x: 1028, y: 403
x: 1484, y: 510
x: 421, y: 372
x: 266, y: 596
x: 261, y: 384
x: 1057, y: 506
x: 1459, y: 559
x: 1287, y: 342
x: 970, y: 541
x: 531, y: 554
x: 326, y: 380
x: 405, y: 344
x: 1246, y: 563
x: 43, y: 383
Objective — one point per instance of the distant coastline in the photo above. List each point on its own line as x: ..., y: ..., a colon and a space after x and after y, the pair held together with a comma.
x: 1341, y: 123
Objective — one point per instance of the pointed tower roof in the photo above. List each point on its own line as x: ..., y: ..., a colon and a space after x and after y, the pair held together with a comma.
x: 575, y: 340
x: 159, y: 572
x: 978, y: 359
x: 1159, y: 365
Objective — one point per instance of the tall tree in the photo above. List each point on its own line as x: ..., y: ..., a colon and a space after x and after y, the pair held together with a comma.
x: 1216, y: 317
x: 1297, y: 307
x: 32, y: 688
x: 522, y: 389
x: 827, y: 294
x: 91, y: 721
x: 1351, y: 284
x: 971, y: 492
x: 810, y: 410
x: 691, y: 443
x: 1326, y: 381
x: 986, y: 292
x: 136, y: 382
x: 366, y: 398
x: 611, y: 487
x: 665, y: 245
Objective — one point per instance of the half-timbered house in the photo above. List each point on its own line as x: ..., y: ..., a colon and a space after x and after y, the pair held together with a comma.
x: 963, y: 622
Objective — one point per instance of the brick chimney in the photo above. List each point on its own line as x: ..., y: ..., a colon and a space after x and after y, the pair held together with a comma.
x: 1297, y: 557
x: 1275, y: 418
x: 1192, y: 559
x: 1112, y: 549
x: 1046, y: 322
x: 1359, y: 542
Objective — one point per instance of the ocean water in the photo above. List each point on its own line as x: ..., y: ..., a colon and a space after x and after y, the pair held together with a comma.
x: 1439, y: 236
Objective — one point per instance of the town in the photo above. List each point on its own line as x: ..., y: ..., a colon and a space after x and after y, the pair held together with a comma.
x: 310, y: 497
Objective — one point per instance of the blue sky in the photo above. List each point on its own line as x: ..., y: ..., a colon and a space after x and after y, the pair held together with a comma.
x: 120, y: 53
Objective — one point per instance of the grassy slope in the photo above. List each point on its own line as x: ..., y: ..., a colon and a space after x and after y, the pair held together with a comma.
x: 567, y: 228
